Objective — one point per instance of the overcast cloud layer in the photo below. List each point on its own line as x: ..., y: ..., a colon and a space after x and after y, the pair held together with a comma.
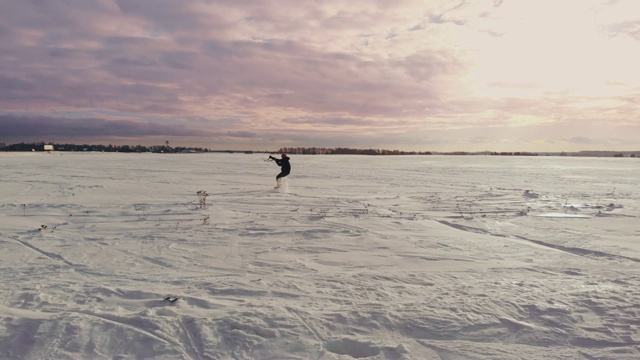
x: 512, y: 75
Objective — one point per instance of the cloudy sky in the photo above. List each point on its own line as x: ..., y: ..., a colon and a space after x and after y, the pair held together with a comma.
x: 440, y: 75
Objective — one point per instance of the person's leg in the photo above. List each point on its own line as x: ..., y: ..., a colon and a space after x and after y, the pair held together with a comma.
x: 279, y: 180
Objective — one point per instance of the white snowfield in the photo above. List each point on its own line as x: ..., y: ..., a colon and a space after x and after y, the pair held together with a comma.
x: 116, y: 256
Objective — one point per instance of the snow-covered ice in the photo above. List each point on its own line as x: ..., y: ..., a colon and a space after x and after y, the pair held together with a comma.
x: 395, y: 257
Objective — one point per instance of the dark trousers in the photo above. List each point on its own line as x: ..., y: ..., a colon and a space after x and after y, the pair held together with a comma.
x: 282, y: 174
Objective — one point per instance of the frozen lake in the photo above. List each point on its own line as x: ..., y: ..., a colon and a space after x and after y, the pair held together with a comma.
x: 394, y: 257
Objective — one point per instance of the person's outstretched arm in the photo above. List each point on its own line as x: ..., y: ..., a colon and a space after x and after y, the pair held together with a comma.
x: 278, y: 161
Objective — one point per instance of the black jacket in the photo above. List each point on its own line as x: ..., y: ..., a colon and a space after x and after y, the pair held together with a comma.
x: 283, y: 163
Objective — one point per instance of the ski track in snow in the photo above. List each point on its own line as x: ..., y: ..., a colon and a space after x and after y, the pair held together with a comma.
x: 405, y: 257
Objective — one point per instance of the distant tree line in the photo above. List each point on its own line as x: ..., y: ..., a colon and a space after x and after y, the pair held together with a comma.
x: 340, y: 150
x: 588, y: 153
x: 349, y: 151
x: 39, y: 146
x: 102, y: 148
x: 514, y: 153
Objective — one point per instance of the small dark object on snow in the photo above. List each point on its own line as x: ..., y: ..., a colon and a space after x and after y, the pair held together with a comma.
x: 169, y: 299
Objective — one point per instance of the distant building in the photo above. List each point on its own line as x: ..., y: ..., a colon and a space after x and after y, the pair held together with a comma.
x: 48, y: 148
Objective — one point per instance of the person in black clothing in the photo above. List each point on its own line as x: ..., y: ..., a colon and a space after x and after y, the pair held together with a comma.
x: 285, y: 167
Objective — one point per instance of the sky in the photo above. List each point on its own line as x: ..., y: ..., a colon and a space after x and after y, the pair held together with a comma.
x: 474, y: 75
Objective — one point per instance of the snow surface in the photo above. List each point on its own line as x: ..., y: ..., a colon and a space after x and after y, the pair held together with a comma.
x: 396, y: 257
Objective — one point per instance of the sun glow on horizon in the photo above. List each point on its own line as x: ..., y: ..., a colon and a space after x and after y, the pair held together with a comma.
x: 545, y: 48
